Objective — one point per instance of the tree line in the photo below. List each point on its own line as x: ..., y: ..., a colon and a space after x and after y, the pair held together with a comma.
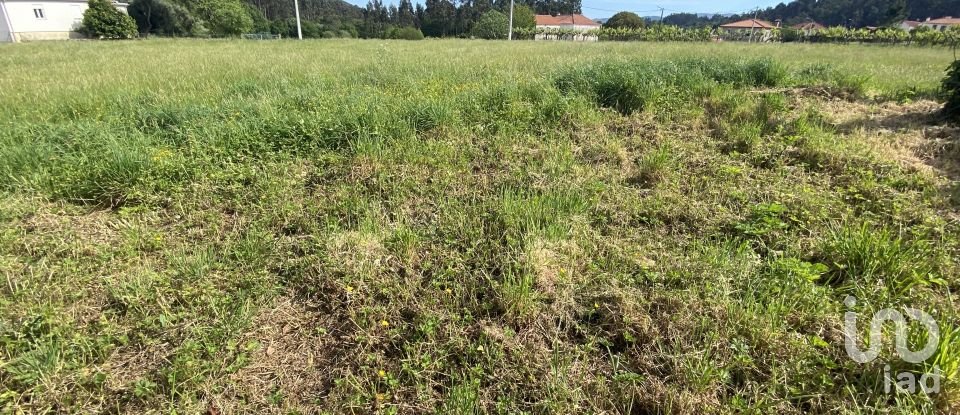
x: 860, y: 13
x: 337, y: 18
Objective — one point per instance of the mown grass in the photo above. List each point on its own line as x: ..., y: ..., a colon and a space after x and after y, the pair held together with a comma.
x: 466, y: 226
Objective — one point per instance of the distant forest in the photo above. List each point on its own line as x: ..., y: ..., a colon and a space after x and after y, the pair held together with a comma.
x: 322, y: 18
x: 452, y: 18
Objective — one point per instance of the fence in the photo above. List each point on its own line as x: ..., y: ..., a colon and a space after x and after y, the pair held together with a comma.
x: 260, y: 36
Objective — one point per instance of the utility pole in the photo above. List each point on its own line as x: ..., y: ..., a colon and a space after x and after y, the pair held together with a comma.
x: 510, y: 33
x: 296, y: 7
x: 753, y: 23
x: 661, y: 15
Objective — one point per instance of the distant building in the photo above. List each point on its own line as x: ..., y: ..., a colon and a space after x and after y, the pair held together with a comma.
x: 755, y: 28
x: 942, y: 23
x: 27, y: 20
x: 573, y: 22
x: 748, y: 25
x: 908, y: 25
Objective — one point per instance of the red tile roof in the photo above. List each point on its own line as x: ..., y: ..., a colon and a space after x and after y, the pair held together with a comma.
x: 749, y: 23
x: 910, y: 23
x: 565, y: 20
x: 945, y: 21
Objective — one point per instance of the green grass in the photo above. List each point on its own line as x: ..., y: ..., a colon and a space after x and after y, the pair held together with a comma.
x: 467, y: 227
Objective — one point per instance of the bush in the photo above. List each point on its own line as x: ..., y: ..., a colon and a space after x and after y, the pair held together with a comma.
x: 492, y: 25
x: 950, y: 88
x: 404, y: 33
x: 104, y: 21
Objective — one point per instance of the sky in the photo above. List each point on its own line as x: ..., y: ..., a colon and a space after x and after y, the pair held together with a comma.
x: 605, y: 8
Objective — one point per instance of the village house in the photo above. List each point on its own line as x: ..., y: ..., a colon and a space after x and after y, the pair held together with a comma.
x: 562, y: 23
x: 942, y: 23
x: 754, y: 28
x: 27, y: 20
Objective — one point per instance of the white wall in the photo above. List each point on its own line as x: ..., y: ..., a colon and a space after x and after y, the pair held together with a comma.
x: 60, y: 18
x: 574, y: 27
x: 936, y: 26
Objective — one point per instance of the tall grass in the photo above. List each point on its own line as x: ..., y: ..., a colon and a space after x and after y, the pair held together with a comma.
x: 529, y: 227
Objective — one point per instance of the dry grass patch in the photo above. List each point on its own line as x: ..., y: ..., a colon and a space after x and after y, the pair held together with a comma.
x: 294, y: 363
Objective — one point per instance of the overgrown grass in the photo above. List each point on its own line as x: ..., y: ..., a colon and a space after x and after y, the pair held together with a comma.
x: 465, y: 227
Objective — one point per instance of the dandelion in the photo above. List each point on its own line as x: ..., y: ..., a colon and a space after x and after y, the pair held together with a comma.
x: 480, y: 348
x: 381, y: 397
x: 449, y: 291
x: 596, y: 305
x: 382, y: 373
x: 384, y: 323
x: 349, y: 289
x: 162, y: 154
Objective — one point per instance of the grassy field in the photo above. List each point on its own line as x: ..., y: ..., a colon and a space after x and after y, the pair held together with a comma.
x: 469, y: 227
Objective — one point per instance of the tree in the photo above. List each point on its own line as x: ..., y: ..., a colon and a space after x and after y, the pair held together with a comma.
x: 624, y: 20
x: 491, y: 25
x: 376, y: 18
x: 225, y: 17
x: 104, y: 21
x: 163, y: 17
x: 555, y: 6
x: 439, y: 18
x: 405, y: 14
x: 523, y: 17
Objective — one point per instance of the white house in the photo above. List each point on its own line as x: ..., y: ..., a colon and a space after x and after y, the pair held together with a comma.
x: 942, y: 23
x: 26, y: 20
x: 554, y: 27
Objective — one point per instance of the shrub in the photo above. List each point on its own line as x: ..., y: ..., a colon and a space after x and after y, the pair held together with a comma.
x: 492, y: 25
x: 404, y: 33
x: 950, y: 87
x: 104, y: 21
